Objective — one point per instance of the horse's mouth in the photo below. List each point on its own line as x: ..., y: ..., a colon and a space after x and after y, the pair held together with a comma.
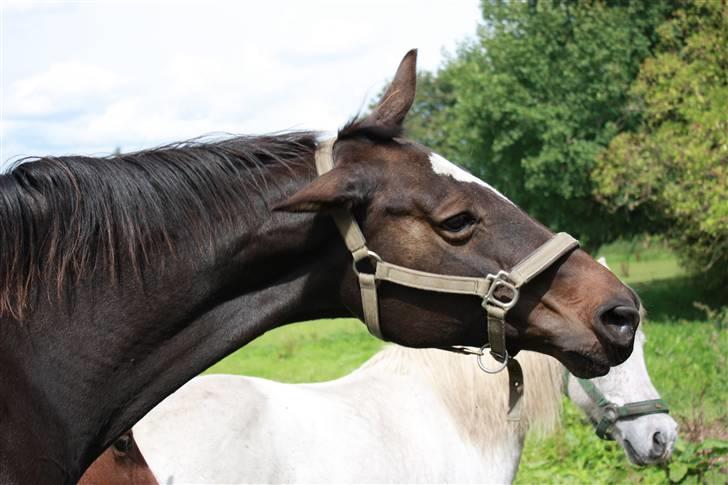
x: 642, y: 460
x: 632, y: 454
x: 584, y: 366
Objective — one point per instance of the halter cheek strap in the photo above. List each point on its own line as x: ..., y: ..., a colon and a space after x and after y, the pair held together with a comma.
x: 611, y: 412
x: 496, y: 307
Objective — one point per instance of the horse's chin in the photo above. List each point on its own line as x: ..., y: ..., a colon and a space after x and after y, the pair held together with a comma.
x: 584, y: 366
x: 632, y: 454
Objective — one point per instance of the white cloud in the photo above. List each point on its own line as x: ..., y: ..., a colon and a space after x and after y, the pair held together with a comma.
x: 87, y: 77
x: 62, y: 87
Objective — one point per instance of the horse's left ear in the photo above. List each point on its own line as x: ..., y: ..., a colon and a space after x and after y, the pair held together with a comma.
x: 343, y: 187
x: 399, y: 96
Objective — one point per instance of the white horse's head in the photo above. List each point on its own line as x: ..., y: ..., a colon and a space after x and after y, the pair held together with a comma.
x: 646, y: 438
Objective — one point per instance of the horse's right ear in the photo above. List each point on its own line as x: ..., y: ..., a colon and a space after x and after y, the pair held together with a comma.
x: 342, y: 187
x: 398, y: 98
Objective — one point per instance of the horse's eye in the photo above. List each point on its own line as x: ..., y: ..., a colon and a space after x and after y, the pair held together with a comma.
x: 458, y: 222
x: 123, y: 444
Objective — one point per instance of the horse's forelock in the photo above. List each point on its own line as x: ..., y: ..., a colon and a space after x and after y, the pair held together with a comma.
x: 357, y: 127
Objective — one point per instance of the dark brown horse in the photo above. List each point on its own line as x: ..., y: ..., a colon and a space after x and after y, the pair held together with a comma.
x: 123, y: 277
x: 121, y: 464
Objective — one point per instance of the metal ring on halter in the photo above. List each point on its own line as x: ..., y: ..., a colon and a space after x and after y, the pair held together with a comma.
x: 371, y: 255
x: 482, y: 366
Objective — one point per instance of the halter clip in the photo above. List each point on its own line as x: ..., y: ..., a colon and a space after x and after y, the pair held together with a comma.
x: 503, y: 364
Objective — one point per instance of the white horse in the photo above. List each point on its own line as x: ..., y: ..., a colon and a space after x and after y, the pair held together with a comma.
x: 404, y: 416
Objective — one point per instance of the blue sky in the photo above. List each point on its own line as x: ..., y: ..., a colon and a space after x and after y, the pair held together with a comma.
x: 86, y: 77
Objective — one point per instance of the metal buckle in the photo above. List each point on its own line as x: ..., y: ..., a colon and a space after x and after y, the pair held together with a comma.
x: 482, y: 366
x: 610, y: 416
x: 611, y: 413
x: 498, y: 281
x: 373, y: 257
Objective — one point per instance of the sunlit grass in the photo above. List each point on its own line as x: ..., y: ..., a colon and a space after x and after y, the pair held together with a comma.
x: 304, y: 352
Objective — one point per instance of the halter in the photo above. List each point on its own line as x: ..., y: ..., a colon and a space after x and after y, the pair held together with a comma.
x: 611, y: 412
x: 495, y: 307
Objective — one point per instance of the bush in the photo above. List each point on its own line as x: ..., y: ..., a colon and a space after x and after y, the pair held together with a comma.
x: 675, y: 165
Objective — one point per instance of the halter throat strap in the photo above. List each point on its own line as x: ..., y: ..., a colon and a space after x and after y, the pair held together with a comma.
x: 496, y: 306
x: 610, y: 412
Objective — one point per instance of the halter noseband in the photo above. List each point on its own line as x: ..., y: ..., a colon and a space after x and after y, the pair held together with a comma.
x: 611, y: 412
x: 496, y: 308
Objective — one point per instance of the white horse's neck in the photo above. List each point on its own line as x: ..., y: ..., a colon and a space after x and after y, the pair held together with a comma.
x: 477, y: 401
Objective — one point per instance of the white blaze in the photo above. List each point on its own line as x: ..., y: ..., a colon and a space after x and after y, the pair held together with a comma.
x: 441, y: 166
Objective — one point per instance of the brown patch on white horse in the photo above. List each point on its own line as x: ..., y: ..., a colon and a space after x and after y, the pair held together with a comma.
x: 121, y: 464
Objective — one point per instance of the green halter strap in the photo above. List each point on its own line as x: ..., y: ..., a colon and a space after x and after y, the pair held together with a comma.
x: 611, y: 412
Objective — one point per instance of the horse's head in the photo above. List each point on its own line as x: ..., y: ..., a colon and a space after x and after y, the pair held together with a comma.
x: 420, y: 211
x: 644, y: 430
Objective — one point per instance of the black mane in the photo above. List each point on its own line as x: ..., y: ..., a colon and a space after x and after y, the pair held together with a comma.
x: 61, y: 217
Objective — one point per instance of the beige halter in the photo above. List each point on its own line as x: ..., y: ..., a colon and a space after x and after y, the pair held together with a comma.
x: 484, y: 288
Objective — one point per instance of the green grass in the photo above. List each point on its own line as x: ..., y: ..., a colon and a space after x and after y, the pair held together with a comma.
x: 304, y: 352
x: 688, y: 362
x: 686, y: 354
x: 637, y: 263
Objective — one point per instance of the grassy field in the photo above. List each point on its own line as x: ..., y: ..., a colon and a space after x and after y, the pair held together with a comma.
x: 686, y: 352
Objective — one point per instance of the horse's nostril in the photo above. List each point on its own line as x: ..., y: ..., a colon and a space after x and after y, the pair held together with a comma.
x: 621, y: 321
x: 659, y: 443
x: 628, y: 314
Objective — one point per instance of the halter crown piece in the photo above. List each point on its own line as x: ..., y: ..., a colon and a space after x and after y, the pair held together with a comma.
x: 495, y: 307
x: 612, y: 412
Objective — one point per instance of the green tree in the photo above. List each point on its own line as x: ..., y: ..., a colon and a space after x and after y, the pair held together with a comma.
x: 530, y: 103
x: 675, y: 163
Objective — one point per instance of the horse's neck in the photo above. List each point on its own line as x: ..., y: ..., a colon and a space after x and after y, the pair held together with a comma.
x: 475, y: 400
x: 122, y: 348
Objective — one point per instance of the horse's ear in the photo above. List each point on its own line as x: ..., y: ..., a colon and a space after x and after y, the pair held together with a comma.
x: 342, y: 187
x: 399, y: 96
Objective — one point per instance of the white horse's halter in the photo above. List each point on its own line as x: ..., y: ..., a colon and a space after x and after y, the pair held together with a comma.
x: 610, y: 412
x: 496, y: 308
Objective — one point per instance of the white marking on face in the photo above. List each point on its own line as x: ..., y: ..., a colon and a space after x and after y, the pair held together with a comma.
x: 441, y: 166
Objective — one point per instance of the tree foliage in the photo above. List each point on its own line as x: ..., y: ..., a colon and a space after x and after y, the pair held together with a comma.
x: 531, y: 102
x: 675, y: 164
